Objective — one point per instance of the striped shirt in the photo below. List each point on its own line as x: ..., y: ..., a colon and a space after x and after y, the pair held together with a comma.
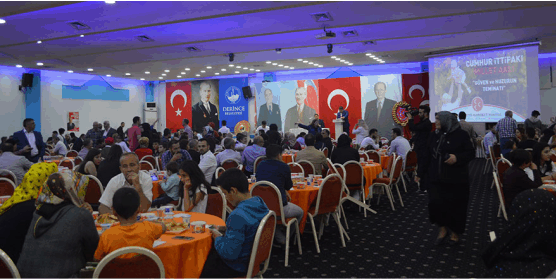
x: 506, y: 127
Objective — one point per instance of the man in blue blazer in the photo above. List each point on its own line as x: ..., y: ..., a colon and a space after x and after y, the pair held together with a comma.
x: 30, y: 141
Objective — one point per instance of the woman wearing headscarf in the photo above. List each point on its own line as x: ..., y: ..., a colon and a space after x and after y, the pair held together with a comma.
x: 147, y: 132
x: 448, y: 153
x: 290, y: 142
x: 62, y: 236
x: 361, y: 131
x: 313, y: 128
x: 527, y: 248
x: 17, y: 212
x: 344, y: 152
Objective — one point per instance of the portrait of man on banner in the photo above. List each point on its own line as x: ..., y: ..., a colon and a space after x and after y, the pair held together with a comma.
x: 205, y: 100
x: 268, y: 98
x: 379, y: 94
x: 303, y: 109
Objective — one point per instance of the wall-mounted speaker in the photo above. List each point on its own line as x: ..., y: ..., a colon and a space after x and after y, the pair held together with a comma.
x: 247, y: 92
x: 27, y: 80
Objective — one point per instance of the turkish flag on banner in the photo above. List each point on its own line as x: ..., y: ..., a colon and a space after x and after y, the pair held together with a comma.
x: 178, y: 104
x: 345, y: 92
x: 415, y: 93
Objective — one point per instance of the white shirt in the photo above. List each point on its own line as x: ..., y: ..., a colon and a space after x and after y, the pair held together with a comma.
x: 119, y: 181
x: 61, y: 138
x: 32, y: 142
x: 265, y: 129
x: 201, y: 207
x: 369, y: 141
x: 360, y: 133
x: 124, y: 146
x: 106, y: 132
x: 224, y: 130
x: 60, y: 148
x: 208, y: 165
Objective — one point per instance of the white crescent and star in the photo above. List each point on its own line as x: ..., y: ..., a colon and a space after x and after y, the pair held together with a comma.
x: 178, y: 93
x: 414, y: 87
x: 338, y: 92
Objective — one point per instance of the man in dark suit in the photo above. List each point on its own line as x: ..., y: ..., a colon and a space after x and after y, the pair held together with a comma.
x: 378, y: 113
x: 108, y: 131
x: 321, y: 123
x: 30, y: 141
x: 204, y: 111
x: 270, y: 112
x: 300, y: 113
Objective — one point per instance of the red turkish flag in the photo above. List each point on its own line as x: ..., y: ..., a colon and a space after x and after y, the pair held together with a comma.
x: 415, y: 93
x: 178, y: 104
x: 345, y: 92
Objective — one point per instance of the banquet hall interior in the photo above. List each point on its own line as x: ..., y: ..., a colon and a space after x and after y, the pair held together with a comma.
x: 68, y: 65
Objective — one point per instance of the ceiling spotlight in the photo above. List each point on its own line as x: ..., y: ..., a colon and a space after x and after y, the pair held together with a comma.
x: 257, y: 70
x: 329, y: 48
x: 90, y: 69
x: 320, y: 66
x: 342, y: 60
x: 231, y: 56
x: 39, y: 42
x: 203, y: 71
x: 237, y: 72
x: 167, y: 71
x: 142, y: 79
x: 238, y: 67
x: 2, y: 21
x: 127, y: 74
x: 332, y: 57
x: 287, y: 67
x: 40, y: 63
x: 18, y: 66
x: 231, y: 65
x: 159, y: 77
x: 274, y: 64
x: 108, y: 75
x: 291, y: 68
x: 147, y: 73
x: 311, y: 63
x: 351, y: 64
x: 382, y: 62
x: 110, y: 2
x: 209, y: 67
x: 299, y: 59
x: 197, y: 75
x: 223, y: 70
x: 278, y: 50
x: 268, y: 62
x: 81, y: 36
x: 163, y: 75
x: 70, y: 71
x: 217, y: 73
x: 183, y: 73
x: 337, y: 59
x: 251, y: 69
x: 245, y: 68
x: 178, y: 76
x: 187, y: 69
x: 280, y: 65
x: 305, y: 61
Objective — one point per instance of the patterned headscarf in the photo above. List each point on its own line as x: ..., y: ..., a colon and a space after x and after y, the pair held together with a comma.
x: 74, y: 190
x: 31, y: 185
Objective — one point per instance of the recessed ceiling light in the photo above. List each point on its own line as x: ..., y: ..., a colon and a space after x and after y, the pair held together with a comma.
x: 90, y: 69
x: 257, y: 70
x: 238, y: 67
x: 19, y: 66
x: 216, y: 73
x: 110, y: 2
x: 167, y: 71
x: 280, y: 65
x: 368, y: 54
x: 291, y: 68
x: 179, y: 76
x: 268, y: 62
x: 2, y: 21
x: 342, y: 60
x: 287, y: 67
x: 351, y: 64
x: 320, y: 66
x: 223, y: 70
x: 163, y: 75
x: 183, y: 73
x: 382, y: 62
x: 332, y: 57
x: 245, y: 68
x: 231, y: 65
x: 39, y: 42
x: 142, y: 79
x: 203, y: 72
x: 337, y: 59
x: 299, y: 59
x: 251, y: 69
x: 197, y: 75
x: 237, y: 72
x: 70, y: 71
x: 209, y: 67
x: 159, y: 77
x: 376, y: 58
x: 311, y: 63
x: 187, y: 69
x: 147, y: 73
x: 305, y: 61
x: 274, y: 64
x: 108, y: 75
x: 81, y: 36
x: 39, y: 64
x: 127, y: 74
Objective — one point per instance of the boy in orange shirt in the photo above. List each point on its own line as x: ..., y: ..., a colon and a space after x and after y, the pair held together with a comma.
x: 129, y: 232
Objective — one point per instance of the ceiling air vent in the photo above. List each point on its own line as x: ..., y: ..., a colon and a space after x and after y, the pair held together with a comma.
x: 369, y: 43
x: 350, y: 33
x: 322, y: 17
x: 79, y: 26
x: 144, y: 38
x: 192, y: 49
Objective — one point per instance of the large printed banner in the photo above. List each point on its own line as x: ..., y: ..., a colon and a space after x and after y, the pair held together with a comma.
x: 336, y: 93
x: 178, y: 104
x: 415, y: 92
x: 233, y: 106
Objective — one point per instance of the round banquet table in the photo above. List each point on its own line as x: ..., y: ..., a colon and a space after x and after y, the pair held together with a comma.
x: 157, y: 189
x: 384, y: 160
x: 303, y: 198
x: 186, y: 258
x: 287, y: 158
x: 371, y: 171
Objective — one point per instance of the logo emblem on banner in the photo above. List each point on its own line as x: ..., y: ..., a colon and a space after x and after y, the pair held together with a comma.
x: 477, y: 103
x: 242, y: 126
x: 398, y: 113
x: 232, y: 95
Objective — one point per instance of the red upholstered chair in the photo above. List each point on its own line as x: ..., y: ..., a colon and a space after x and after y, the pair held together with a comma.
x: 296, y: 168
x: 77, y: 161
x: 216, y: 204
x: 355, y: 179
x: 9, y: 175
x: 262, y: 246
x: 94, y: 190
x: 146, y: 166
x: 7, y: 267
x: 325, y: 151
x: 151, y: 160
x: 307, y: 166
x: 373, y: 155
x: 410, y: 166
x: 7, y: 187
x: 219, y: 171
x: 257, y: 162
x: 364, y: 156
x: 501, y: 166
x: 392, y: 181
x: 273, y: 199
x: 230, y: 163
x: 72, y: 154
x: 67, y: 162
x: 146, y: 264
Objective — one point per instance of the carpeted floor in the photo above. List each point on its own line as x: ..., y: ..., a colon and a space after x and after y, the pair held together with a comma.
x: 398, y: 243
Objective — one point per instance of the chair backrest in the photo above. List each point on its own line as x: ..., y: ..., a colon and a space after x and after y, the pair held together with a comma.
x: 216, y: 204
x: 499, y: 191
x: 496, y: 150
x: 271, y: 196
x: 219, y: 171
x: 67, y: 162
x: 354, y: 174
x: 72, y: 154
x: 331, y: 168
x: 340, y: 170
x: 397, y: 168
x: 146, y: 166
x: 150, y: 159
x: 9, y: 175
x: 77, y: 160
x: 257, y: 162
x: 411, y: 159
x: 307, y: 166
x: 330, y: 194
x: 262, y: 246
x: 364, y: 156
x: 7, y: 267
x: 7, y: 187
x: 373, y: 155
x: 94, y: 190
x: 325, y: 151
x: 144, y: 265
x: 159, y: 163
x: 501, y: 166
x: 296, y: 168
x: 230, y: 163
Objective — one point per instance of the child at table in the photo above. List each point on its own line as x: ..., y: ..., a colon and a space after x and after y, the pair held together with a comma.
x: 129, y: 232
x: 170, y: 186
x: 229, y: 256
